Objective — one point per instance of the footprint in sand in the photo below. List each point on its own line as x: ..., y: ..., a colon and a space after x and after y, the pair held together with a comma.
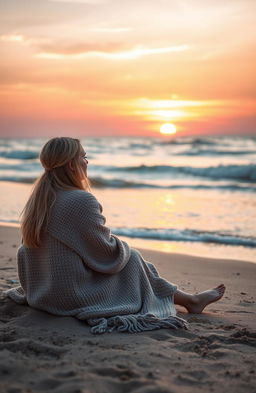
x: 195, y: 377
x: 152, y: 389
x: 29, y: 348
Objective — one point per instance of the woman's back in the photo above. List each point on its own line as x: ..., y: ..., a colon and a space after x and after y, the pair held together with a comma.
x: 81, y: 270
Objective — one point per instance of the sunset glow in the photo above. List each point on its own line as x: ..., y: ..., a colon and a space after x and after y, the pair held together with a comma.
x: 69, y: 68
x: 168, y: 129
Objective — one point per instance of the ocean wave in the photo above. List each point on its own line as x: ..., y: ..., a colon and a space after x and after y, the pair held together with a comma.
x: 98, y: 182
x: 190, y: 141
x: 235, y: 141
x: 119, y: 183
x: 211, y: 152
x: 143, y: 146
x: 236, y: 172
x: 20, y: 154
x: 28, y: 171
x: 187, y: 235
x: 19, y: 167
x: 19, y: 179
x: 220, y: 172
x: 11, y: 222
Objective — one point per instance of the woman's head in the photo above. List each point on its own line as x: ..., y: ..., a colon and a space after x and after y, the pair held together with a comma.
x: 65, y: 163
x: 65, y: 167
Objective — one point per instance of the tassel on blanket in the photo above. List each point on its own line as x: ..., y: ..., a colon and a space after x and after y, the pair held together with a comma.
x: 135, y: 323
x: 16, y: 294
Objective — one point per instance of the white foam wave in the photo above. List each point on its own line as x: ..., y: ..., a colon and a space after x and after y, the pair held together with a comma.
x: 185, y: 235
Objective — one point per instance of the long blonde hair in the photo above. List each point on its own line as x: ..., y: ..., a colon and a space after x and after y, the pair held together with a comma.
x: 57, y: 155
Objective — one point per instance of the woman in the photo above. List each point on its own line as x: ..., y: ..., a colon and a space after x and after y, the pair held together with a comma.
x: 70, y: 264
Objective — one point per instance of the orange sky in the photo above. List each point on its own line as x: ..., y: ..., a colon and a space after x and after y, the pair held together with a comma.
x: 114, y: 67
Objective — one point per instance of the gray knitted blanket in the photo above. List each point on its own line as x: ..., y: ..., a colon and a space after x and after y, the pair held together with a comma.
x: 84, y: 271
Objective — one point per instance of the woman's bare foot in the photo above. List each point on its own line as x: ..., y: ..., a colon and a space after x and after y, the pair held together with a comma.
x: 201, y: 300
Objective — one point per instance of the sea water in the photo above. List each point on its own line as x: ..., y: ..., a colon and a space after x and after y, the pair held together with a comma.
x: 192, y: 195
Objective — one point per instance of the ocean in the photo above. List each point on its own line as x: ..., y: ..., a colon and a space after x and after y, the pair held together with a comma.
x: 193, y: 195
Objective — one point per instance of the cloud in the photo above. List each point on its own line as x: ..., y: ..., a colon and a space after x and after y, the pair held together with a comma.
x: 12, y: 38
x: 24, y: 14
x: 25, y: 40
x: 65, y: 49
x: 110, y: 30
x: 92, y: 2
x: 108, y: 50
x: 173, y: 104
x: 80, y: 48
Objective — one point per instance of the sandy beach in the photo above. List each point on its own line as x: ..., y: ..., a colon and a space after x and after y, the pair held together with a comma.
x: 41, y: 352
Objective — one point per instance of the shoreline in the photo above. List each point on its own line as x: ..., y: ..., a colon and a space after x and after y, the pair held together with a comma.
x: 40, y: 351
x: 198, y: 250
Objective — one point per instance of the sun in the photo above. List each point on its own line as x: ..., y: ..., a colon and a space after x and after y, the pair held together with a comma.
x: 168, y: 128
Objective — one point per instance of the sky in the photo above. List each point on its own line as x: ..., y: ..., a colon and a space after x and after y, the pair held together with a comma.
x: 116, y: 67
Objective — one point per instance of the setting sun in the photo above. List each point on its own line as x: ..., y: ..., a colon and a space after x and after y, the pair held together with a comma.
x: 168, y: 128
x: 66, y: 61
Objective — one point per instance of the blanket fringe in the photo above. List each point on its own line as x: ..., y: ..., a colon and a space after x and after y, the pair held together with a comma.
x: 16, y: 294
x: 135, y: 323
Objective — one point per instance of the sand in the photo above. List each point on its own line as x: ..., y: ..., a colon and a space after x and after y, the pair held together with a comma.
x: 41, y: 352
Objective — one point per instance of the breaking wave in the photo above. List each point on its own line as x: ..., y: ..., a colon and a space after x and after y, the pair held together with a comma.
x: 98, y: 182
x: 220, y: 172
x: 185, y: 235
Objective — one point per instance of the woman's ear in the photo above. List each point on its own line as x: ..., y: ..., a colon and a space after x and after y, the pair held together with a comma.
x: 70, y: 166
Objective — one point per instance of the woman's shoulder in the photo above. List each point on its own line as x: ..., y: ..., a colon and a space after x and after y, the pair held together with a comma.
x: 75, y: 198
x: 73, y: 206
x: 70, y: 211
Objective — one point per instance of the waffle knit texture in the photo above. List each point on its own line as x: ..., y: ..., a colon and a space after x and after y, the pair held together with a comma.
x: 82, y: 270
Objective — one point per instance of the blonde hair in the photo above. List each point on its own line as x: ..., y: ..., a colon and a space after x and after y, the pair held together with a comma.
x: 57, y: 157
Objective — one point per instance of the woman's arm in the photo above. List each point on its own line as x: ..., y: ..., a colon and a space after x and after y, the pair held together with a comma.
x: 77, y: 221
